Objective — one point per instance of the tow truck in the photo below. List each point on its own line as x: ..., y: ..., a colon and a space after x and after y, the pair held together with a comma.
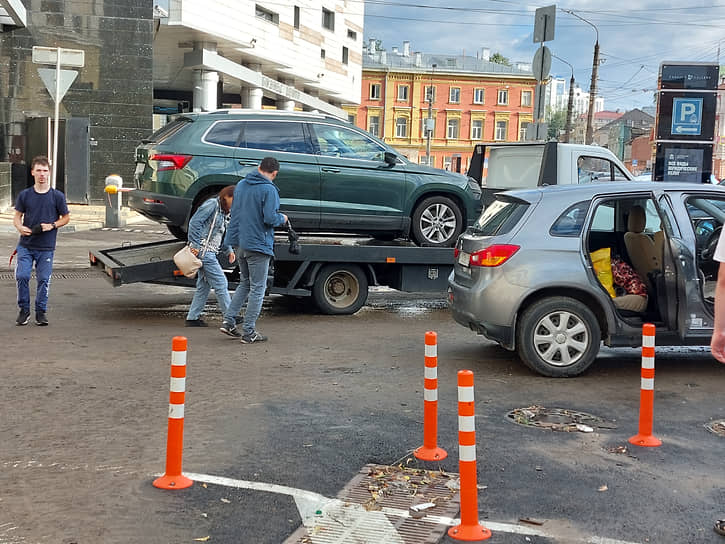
x: 335, y: 272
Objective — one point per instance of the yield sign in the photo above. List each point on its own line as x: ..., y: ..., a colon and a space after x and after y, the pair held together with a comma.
x: 67, y: 77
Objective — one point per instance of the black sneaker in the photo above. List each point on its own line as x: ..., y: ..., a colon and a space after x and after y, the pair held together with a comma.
x: 41, y: 319
x: 23, y: 317
x: 196, y: 323
x: 253, y: 338
x: 230, y: 330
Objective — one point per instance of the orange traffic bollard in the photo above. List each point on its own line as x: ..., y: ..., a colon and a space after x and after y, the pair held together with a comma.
x: 647, y: 393
x: 430, y: 451
x: 469, y: 529
x: 172, y: 478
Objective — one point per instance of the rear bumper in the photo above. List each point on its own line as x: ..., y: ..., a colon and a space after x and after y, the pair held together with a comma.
x: 170, y: 210
x: 502, y: 334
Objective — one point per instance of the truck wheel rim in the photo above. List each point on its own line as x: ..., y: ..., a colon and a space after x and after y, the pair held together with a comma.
x: 561, y: 338
x: 341, y: 290
x: 438, y: 223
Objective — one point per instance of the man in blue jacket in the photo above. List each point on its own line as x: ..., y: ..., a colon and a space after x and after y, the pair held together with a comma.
x: 255, y: 214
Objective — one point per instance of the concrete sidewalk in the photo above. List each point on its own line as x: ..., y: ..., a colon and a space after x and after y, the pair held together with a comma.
x: 82, y: 217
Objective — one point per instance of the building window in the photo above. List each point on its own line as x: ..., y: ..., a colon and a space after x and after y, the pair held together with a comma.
x: 452, y: 133
x: 374, y: 125
x: 430, y: 93
x: 477, y: 129
x: 345, y: 55
x: 351, y: 118
x: 375, y: 91
x: 351, y: 34
x: 503, y: 96
x: 522, y: 131
x: 328, y: 19
x: 501, y: 130
x: 403, y: 93
x: 526, y: 98
x: 454, y: 96
x: 267, y: 15
x: 478, y: 95
x: 427, y: 161
x: 322, y: 53
x: 297, y: 17
x: 447, y: 163
x: 401, y: 127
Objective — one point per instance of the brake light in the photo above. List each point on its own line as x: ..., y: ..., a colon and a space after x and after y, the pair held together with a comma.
x: 456, y: 252
x: 494, y: 255
x: 170, y: 162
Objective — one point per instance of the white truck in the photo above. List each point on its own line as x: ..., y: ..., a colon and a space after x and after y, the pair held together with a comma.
x: 503, y: 166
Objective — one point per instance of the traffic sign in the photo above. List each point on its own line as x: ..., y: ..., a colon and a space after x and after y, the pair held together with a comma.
x: 544, y: 21
x: 68, y: 57
x: 687, y: 116
x: 541, y: 63
x: 67, y: 77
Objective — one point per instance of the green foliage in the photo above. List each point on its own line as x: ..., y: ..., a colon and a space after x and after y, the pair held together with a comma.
x: 557, y: 123
x: 498, y: 58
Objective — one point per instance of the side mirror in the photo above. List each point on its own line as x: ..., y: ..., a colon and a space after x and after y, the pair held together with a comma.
x: 391, y: 159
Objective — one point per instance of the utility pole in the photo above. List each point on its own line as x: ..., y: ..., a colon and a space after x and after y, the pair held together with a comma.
x: 570, y: 105
x: 429, y: 122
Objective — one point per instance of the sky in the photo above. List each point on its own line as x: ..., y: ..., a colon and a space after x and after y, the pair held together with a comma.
x: 635, y: 36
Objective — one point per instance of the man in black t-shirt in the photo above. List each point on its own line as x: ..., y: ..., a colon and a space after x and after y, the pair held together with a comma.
x: 39, y: 211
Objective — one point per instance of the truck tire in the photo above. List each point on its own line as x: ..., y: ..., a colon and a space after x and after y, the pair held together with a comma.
x: 558, y: 337
x: 437, y: 221
x: 340, y: 289
x: 177, y: 231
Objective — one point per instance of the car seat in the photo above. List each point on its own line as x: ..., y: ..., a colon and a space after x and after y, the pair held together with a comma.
x: 642, y: 251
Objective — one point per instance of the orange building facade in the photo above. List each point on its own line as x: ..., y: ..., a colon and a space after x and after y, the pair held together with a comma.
x: 467, y: 108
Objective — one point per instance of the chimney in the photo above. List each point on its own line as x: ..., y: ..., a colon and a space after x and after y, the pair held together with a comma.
x: 485, y: 53
x: 418, y: 59
x: 371, y: 46
x: 406, y: 48
x: 383, y: 57
x: 395, y: 50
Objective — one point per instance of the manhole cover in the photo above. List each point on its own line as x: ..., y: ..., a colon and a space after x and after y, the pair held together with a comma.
x: 558, y: 419
x: 374, y: 508
x: 717, y: 427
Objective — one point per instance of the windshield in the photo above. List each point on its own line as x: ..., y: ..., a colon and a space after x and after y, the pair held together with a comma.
x: 500, y: 216
x: 168, y: 130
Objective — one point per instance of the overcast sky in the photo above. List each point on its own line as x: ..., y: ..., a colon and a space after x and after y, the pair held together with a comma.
x: 635, y: 36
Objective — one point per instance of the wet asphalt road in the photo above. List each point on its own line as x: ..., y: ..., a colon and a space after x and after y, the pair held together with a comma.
x: 84, y: 406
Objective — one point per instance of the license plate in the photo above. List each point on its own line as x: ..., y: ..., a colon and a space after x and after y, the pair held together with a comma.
x: 464, y: 258
x: 140, y: 167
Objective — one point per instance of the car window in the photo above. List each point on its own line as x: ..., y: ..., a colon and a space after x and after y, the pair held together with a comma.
x: 335, y: 141
x: 598, y: 169
x: 570, y: 222
x: 604, y: 217
x: 500, y: 216
x: 168, y: 130
x: 224, y: 133
x: 275, y: 136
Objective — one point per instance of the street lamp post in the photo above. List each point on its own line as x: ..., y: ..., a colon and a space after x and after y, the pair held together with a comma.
x: 570, y: 105
x: 429, y: 128
x: 593, y: 86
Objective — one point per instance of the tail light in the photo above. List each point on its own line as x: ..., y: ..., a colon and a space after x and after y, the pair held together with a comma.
x: 456, y: 252
x: 171, y: 162
x: 494, y: 255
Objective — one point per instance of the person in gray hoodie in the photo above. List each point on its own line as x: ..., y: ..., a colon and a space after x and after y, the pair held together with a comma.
x: 254, y: 215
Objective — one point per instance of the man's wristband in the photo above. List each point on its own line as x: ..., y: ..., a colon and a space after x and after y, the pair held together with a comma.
x: 55, y: 226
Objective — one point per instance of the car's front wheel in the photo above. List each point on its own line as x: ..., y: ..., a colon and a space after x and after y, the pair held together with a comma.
x: 558, y: 337
x: 437, y: 221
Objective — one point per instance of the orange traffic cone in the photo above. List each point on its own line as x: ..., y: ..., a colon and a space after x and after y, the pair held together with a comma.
x: 430, y: 451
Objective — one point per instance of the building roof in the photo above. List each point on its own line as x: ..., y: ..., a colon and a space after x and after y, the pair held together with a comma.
x: 423, y: 62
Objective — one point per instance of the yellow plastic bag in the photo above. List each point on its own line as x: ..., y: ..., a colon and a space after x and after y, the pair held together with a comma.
x: 602, y: 262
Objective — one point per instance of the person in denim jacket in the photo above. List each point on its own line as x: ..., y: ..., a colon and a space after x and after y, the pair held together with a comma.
x: 206, y: 233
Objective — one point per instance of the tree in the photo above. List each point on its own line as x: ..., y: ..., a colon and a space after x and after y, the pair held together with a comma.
x: 557, y: 123
x: 498, y: 58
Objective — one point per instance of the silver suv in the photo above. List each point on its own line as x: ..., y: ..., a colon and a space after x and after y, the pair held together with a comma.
x: 524, y: 275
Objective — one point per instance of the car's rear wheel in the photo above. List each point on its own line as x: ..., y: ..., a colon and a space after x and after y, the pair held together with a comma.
x: 437, y: 221
x: 340, y: 289
x: 177, y: 231
x: 558, y: 337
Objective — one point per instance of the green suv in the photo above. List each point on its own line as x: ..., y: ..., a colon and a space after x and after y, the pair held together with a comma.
x: 333, y: 176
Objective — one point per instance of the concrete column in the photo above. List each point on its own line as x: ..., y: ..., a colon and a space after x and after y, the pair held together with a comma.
x: 255, y: 98
x: 285, y: 103
x: 252, y: 96
x: 205, y: 90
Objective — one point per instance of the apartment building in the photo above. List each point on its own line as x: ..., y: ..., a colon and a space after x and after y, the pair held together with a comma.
x: 469, y: 100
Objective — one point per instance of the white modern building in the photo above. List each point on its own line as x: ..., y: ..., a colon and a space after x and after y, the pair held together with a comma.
x: 557, y: 97
x: 302, y: 54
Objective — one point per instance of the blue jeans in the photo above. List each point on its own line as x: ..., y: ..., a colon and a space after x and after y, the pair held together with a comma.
x: 209, y: 276
x: 253, y: 269
x: 43, y: 261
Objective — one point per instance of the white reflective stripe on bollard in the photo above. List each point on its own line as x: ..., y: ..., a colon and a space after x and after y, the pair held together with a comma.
x: 430, y: 394
x: 431, y: 351
x: 178, y: 358
x: 431, y: 373
x: 467, y: 453
x: 178, y: 385
x: 176, y: 411
x: 648, y: 384
x: 648, y: 362
x: 465, y: 394
x: 648, y: 341
x: 466, y: 424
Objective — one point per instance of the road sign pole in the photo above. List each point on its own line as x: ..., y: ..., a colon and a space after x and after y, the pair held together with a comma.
x: 57, y: 115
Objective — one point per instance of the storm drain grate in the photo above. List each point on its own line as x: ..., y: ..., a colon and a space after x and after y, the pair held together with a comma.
x: 58, y: 275
x: 374, y: 508
x: 558, y: 419
x: 717, y: 427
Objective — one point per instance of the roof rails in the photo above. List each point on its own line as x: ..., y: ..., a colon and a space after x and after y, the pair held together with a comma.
x: 246, y: 111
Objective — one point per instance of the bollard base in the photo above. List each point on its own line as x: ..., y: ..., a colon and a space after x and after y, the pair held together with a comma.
x: 469, y: 533
x: 647, y: 441
x: 173, y: 482
x: 430, y: 454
